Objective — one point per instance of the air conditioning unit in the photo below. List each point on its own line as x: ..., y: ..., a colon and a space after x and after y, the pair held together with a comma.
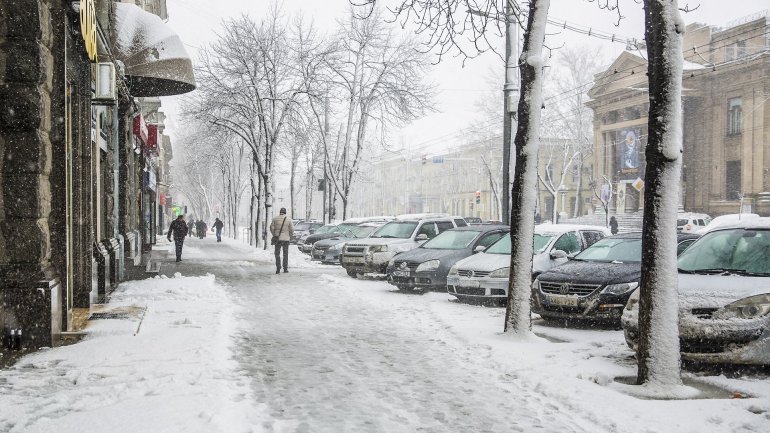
x: 106, y: 89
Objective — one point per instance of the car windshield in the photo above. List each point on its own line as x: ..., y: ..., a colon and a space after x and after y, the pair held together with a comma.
x: 451, y: 240
x: 323, y: 229
x: 362, y: 232
x: 613, y: 250
x: 302, y: 226
x: 741, y: 251
x: 503, y: 246
x: 541, y: 241
x: 396, y: 229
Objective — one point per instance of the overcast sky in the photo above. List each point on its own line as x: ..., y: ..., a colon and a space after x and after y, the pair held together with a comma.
x: 198, y: 21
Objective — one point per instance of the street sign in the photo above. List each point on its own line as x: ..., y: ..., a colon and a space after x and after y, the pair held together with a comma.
x: 638, y: 184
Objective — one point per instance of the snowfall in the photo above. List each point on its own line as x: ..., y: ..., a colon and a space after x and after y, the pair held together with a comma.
x: 220, y: 343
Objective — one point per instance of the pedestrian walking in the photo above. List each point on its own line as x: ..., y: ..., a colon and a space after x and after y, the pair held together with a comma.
x: 281, y: 228
x: 218, y: 225
x: 190, y: 226
x: 613, y: 225
x: 179, y: 229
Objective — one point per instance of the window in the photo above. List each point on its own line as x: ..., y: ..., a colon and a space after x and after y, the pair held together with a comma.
x: 489, y: 239
x: 568, y: 242
x: 444, y: 226
x: 460, y: 222
x: 591, y: 237
x: 428, y: 229
x: 733, y: 180
x: 734, y: 116
x: 735, y: 51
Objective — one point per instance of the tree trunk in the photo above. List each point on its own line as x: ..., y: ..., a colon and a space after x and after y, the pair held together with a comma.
x: 524, y: 190
x: 659, y: 359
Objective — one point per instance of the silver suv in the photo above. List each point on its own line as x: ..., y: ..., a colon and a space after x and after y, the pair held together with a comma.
x: 371, y: 255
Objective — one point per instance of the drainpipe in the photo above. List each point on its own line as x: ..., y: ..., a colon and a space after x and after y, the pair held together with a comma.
x: 116, y: 188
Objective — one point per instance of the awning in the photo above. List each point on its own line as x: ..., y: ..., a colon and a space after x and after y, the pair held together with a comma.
x: 156, y: 61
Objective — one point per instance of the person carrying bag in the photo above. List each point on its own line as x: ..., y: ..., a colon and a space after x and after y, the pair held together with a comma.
x: 281, y: 228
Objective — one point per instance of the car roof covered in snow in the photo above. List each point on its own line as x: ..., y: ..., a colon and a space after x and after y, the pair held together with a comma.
x: 746, y: 221
x: 564, y: 228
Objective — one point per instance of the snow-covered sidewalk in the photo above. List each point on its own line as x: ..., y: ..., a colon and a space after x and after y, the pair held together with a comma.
x: 160, y: 362
x: 222, y: 344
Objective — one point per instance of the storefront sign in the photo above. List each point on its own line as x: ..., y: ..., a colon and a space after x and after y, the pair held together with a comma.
x: 88, y: 27
x: 152, y: 137
x: 140, y: 128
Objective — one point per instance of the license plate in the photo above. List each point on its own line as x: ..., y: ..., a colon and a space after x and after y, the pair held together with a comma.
x: 401, y: 273
x: 354, y: 260
x: 473, y: 284
x: 564, y: 301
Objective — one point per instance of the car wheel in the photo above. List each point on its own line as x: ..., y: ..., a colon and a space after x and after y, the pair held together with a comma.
x: 352, y: 273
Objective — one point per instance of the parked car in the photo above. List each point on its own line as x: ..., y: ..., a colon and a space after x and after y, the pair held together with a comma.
x: 302, y: 228
x: 691, y: 222
x: 302, y: 244
x: 596, y: 284
x: 724, y: 297
x: 342, y: 229
x: 371, y: 255
x: 426, y: 267
x: 484, y: 276
x: 473, y: 220
x: 328, y: 250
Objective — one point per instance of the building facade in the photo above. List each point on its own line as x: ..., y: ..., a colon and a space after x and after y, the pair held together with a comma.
x: 726, y: 88
x: 74, y: 152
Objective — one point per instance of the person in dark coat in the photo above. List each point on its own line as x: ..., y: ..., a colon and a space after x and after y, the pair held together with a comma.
x: 178, y: 228
x: 282, y: 228
x: 613, y: 225
x: 218, y: 225
x: 202, y: 232
x: 190, y: 226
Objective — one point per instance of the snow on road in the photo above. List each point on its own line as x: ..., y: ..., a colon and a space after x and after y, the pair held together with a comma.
x: 246, y: 350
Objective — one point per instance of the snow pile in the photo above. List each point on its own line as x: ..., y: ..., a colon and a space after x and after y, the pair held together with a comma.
x: 166, y: 367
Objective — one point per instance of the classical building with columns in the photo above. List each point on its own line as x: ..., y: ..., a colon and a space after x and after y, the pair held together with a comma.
x: 726, y: 89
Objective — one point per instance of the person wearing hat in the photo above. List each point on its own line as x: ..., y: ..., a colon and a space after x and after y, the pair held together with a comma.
x: 281, y: 228
x: 178, y: 228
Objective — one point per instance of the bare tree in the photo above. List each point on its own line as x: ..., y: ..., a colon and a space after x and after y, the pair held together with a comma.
x: 560, y: 157
x: 568, y: 115
x: 249, y: 86
x: 604, y: 192
x: 658, y: 354
x: 380, y: 80
x: 523, y: 193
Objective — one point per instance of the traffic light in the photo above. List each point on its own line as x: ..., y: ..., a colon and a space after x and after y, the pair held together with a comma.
x: 478, y: 197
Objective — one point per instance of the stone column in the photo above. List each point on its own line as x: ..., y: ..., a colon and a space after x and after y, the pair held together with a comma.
x: 29, y: 287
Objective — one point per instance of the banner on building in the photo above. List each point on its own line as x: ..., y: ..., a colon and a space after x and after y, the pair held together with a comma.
x: 620, y: 198
x: 629, y: 147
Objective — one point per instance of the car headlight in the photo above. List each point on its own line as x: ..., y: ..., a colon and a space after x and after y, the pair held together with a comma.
x: 453, y: 270
x: 430, y: 265
x: 633, y: 301
x: 501, y: 273
x: 378, y: 248
x: 750, y: 308
x: 620, y: 289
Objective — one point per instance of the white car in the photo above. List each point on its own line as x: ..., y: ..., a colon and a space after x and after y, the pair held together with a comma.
x: 371, y: 255
x: 724, y: 296
x: 484, y: 276
x: 691, y: 222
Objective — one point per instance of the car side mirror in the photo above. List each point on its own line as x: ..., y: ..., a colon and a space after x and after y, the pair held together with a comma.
x: 422, y: 237
x: 558, y: 254
x: 479, y: 249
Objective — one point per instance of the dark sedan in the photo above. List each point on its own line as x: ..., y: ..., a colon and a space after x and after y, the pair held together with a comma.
x: 426, y: 267
x: 596, y: 284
